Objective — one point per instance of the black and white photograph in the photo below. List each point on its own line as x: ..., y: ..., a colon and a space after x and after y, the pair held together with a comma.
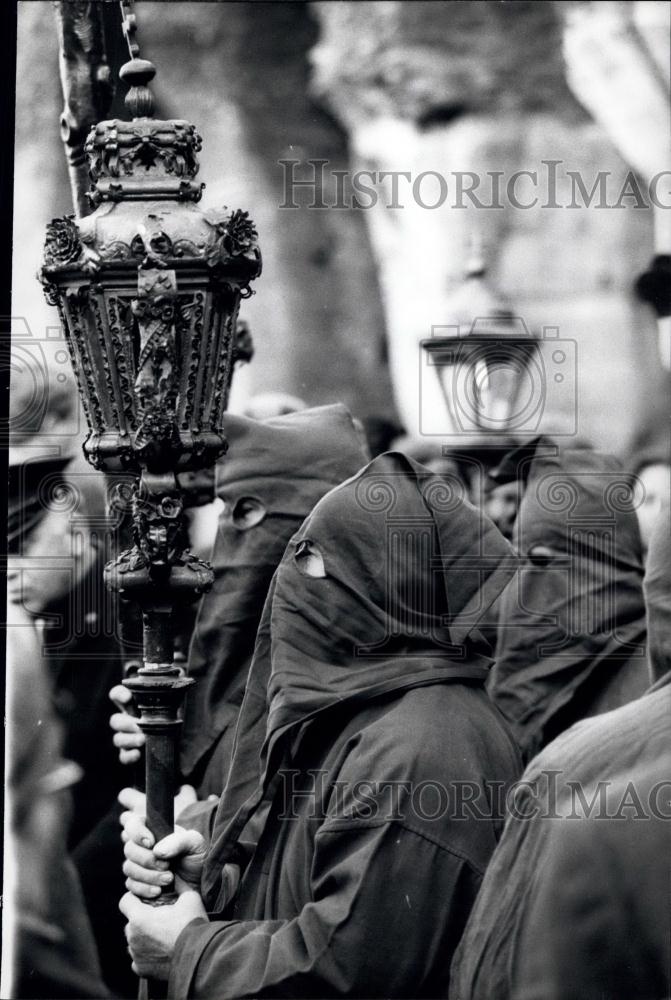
x: 335, y: 359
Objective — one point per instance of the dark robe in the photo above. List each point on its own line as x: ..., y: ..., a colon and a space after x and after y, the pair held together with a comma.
x: 572, y: 627
x: 373, y: 669
x: 273, y: 475
x: 608, y: 935
x: 541, y: 860
x: 52, y: 949
x: 575, y: 905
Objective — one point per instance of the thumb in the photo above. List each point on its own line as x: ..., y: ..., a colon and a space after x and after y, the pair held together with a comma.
x: 132, y: 800
x: 129, y: 904
x: 187, y: 794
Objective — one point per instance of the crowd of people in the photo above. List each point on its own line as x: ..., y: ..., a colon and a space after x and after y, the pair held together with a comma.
x: 428, y: 753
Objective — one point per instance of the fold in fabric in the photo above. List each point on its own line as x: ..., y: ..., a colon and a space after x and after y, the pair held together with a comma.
x: 574, y: 903
x: 657, y: 588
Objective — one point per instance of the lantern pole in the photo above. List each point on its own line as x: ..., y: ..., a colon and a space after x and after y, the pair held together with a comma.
x: 148, y: 288
x: 86, y: 83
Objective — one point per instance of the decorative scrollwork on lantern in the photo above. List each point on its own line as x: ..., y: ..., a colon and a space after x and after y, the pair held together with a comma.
x: 148, y: 290
x: 160, y: 555
x: 141, y: 154
x: 156, y: 379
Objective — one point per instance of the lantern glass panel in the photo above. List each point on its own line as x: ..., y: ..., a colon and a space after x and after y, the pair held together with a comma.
x: 488, y: 385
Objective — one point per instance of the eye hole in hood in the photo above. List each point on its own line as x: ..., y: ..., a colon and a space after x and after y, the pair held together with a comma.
x: 247, y: 512
x: 541, y: 555
x: 309, y: 560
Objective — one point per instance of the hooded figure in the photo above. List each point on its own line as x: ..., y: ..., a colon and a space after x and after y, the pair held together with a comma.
x: 575, y: 902
x: 380, y: 742
x: 60, y: 535
x: 270, y: 480
x: 274, y: 473
x: 571, y: 639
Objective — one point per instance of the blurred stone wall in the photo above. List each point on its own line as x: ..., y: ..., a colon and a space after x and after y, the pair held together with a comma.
x: 481, y: 87
x: 347, y: 295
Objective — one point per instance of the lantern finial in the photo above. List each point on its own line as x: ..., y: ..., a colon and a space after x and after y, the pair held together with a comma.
x: 139, y: 100
x: 137, y: 72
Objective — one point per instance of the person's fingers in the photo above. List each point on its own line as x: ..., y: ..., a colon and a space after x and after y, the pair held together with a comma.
x: 128, y: 741
x: 178, y: 843
x: 148, y: 876
x: 135, y: 830
x: 143, y: 858
x: 142, y: 890
x: 128, y: 904
x: 186, y: 796
x: 120, y: 722
x: 129, y: 756
x: 120, y: 695
x: 132, y: 800
x: 188, y: 793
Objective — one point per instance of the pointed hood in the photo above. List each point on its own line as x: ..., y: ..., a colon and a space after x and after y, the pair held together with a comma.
x: 273, y: 475
x: 575, y: 619
x: 382, y: 589
x: 391, y: 566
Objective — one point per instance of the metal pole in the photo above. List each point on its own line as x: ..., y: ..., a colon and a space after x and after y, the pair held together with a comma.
x: 86, y: 83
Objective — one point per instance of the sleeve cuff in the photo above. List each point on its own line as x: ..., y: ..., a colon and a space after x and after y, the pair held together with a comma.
x: 189, y: 948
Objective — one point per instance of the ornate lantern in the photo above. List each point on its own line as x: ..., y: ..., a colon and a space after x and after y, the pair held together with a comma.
x: 485, y: 364
x: 148, y: 288
x: 486, y: 361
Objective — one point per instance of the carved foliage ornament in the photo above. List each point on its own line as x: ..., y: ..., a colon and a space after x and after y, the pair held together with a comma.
x: 157, y: 372
x: 215, y: 239
x: 62, y: 244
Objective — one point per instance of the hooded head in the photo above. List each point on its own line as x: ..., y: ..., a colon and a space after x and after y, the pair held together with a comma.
x: 382, y: 589
x: 388, y: 578
x: 576, y: 616
x: 273, y: 475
